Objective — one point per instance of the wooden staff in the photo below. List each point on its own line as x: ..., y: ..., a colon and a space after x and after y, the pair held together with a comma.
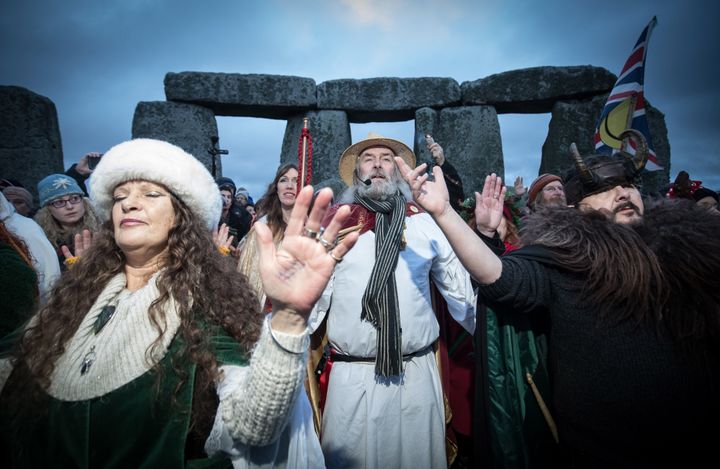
x: 303, y: 159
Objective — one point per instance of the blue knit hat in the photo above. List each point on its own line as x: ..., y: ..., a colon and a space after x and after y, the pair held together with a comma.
x: 56, y: 185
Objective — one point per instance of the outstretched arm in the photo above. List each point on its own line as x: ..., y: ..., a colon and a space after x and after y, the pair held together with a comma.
x: 477, y: 258
x: 255, y: 403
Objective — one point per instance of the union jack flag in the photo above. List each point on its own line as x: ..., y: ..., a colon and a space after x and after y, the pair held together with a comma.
x: 625, y: 106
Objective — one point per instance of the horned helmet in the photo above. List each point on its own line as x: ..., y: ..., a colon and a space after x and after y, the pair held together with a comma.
x: 599, y: 173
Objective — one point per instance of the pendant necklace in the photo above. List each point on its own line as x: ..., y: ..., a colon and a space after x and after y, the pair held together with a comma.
x: 106, y: 314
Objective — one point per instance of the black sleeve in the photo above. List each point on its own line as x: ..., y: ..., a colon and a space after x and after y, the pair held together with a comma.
x: 454, y: 185
x: 239, y: 223
x: 79, y: 178
x: 523, y: 286
x: 495, y: 243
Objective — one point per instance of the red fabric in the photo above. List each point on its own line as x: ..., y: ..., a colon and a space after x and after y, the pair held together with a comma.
x: 324, y: 382
x: 457, y: 367
x: 510, y: 247
x: 359, y: 214
x: 305, y: 169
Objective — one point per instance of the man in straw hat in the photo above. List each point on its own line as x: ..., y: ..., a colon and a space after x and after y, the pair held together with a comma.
x: 632, y: 297
x: 384, y: 405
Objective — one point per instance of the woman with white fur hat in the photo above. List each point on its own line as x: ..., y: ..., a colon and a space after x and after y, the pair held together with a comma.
x: 149, y: 351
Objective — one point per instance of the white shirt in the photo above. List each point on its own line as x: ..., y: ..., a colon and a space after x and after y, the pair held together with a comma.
x: 427, y: 255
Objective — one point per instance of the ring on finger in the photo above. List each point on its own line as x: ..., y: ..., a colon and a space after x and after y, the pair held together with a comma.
x: 335, y: 258
x: 327, y: 244
x: 310, y: 233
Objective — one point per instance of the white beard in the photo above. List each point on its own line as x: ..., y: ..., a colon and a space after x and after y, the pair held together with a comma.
x: 376, y: 191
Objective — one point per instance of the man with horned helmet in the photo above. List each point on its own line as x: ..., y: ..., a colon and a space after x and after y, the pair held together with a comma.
x: 384, y: 406
x: 632, y: 296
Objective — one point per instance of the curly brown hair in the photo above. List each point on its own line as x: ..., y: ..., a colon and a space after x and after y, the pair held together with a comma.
x: 269, y: 203
x: 203, y: 284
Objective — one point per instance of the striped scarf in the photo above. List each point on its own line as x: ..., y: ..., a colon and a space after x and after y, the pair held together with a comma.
x: 380, y: 300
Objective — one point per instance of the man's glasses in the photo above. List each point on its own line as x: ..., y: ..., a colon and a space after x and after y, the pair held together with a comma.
x: 553, y: 189
x: 60, y: 203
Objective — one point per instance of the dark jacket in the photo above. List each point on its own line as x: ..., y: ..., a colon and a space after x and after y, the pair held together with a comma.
x: 238, y: 221
x: 624, y: 393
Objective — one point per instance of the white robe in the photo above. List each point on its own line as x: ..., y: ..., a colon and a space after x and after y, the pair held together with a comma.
x: 399, y: 422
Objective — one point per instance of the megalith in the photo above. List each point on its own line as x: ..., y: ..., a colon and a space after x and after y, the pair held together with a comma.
x: 192, y: 128
x: 386, y: 99
x: 30, y: 146
x: 330, y: 131
x: 470, y: 137
x: 536, y: 89
x: 243, y: 95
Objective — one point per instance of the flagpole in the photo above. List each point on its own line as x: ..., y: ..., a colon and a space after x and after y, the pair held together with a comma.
x: 628, y: 124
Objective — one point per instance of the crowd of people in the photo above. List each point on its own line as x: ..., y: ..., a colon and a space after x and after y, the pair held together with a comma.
x: 154, y: 316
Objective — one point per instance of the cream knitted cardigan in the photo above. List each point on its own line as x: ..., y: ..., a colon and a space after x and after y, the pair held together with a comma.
x: 255, y: 413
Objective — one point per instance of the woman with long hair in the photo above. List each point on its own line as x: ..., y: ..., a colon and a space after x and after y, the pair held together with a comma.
x: 64, y: 212
x: 153, y: 364
x: 273, y: 210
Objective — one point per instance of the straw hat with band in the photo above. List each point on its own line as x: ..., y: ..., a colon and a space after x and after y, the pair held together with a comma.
x: 348, y: 160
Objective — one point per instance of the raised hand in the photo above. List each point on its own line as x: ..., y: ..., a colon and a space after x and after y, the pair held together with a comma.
x: 489, y: 205
x: 435, y: 150
x: 222, y: 239
x: 83, y: 164
x: 83, y: 241
x: 295, y: 274
x: 430, y: 195
x: 518, y: 186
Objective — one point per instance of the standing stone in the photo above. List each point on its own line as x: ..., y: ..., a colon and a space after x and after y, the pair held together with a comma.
x: 426, y: 122
x: 192, y: 128
x: 575, y: 121
x: 657, y: 181
x: 330, y: 131
x: 30, y: 146
x: 571, y: 121
x: 470, y: 137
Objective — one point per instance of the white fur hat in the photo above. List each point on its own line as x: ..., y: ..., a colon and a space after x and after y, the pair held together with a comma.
x: 162, y: 163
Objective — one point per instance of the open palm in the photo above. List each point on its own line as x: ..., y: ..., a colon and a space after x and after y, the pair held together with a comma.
x: 430, y: 195
x: 489, y: 204
x: 295, y: 274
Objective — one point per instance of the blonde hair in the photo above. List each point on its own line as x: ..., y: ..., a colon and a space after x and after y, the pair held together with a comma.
x: 59, y: 235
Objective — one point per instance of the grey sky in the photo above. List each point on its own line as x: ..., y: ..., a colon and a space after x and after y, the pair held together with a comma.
x: 97, y: 60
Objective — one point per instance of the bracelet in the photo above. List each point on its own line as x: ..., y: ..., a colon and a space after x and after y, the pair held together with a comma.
x: 277, y: 342
x: 224, y: 250
x: 71, y: 260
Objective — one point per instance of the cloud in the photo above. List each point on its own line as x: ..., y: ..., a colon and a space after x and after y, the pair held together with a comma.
x: 370, y: 12
x: 97, y: 61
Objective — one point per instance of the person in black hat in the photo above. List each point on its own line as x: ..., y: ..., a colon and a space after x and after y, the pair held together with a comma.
x: 631, y: 296
x: 235, y: 217
x: 706, y: 198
